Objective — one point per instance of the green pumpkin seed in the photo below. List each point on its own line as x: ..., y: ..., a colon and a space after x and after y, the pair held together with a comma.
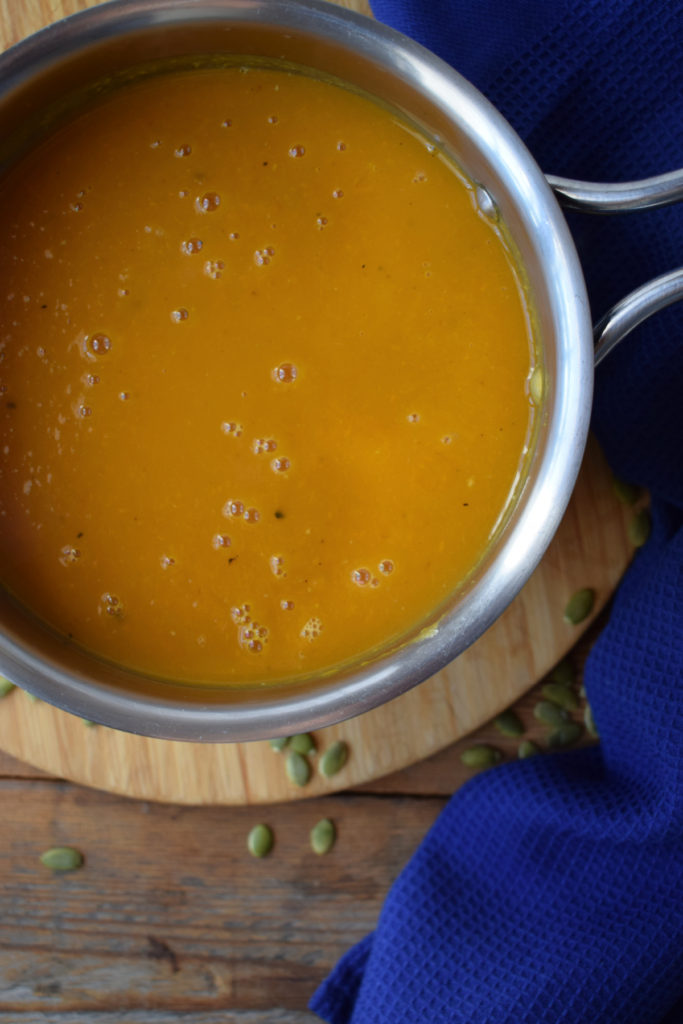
x: 88, y: 723
x: 563, y: 673
x: 508, y: 723
x: 334, y: 758
x: 323, y: 836
x: 639, y: 528
x: 5, y: 686
x: 627, y: 494
x: 563, y: 696
x: 563, y: 736
x: 481, y: 755
x: 589, y: 721
x: 62, y: 858
x: 550, y: 714
x: 279, y: 743
x: 260, y: 841
x: 579, y: 606
x: 303, y: 743
x: 528, y: 748
x: 297, y: 767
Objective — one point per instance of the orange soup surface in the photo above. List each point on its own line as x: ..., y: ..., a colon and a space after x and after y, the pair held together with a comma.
x: 264, y: 376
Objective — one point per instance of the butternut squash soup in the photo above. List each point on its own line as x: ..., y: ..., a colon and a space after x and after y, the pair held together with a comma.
x: 264, y: 376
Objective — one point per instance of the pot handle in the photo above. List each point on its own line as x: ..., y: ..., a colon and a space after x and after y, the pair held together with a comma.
x: 645, y: 194
x: 618, y: 197
x: 621, y: 319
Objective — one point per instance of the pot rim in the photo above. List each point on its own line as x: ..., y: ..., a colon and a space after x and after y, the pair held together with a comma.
x: 189, y: 712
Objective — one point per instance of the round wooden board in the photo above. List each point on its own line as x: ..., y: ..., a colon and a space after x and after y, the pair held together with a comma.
x: 591, y: 548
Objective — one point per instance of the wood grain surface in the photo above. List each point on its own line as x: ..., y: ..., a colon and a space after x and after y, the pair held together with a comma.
x: 590, y: 549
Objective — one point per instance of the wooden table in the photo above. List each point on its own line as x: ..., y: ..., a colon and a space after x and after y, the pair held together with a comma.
x: 171, y: 920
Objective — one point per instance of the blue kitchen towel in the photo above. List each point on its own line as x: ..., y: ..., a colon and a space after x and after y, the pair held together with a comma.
x: 551, y: 890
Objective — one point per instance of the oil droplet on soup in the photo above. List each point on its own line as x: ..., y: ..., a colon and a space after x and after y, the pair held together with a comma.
x: 313, y: 356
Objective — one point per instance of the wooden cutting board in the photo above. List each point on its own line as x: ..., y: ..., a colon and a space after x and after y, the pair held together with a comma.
x: 591, y: 548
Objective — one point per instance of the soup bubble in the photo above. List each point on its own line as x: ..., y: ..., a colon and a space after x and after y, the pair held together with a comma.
x: 214, y: 269
x: 192, y: 245
x: 209, y: 202
x: 285, y: 373
x: 240, y: 614
x: 312, y: 629
x: 277, y: 566
x: 221, y: 540
x: 263, y: 444
x: 111, y: 605
x: 252, y: 637
x: 361, y: 577
x: 233, y: 507
x: 99, y: 344
x: 69, y: 555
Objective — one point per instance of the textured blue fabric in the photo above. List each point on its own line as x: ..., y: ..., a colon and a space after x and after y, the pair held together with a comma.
x: 551, y: 890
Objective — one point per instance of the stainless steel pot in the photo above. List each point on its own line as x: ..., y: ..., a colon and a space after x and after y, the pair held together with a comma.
x: 69, y: 55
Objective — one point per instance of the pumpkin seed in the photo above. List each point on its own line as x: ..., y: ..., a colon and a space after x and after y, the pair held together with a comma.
x: 528, y: 748
x: 639, y: 528
x: 563, y: 736
x: 298, y: 769
x: 279, y: 743
x: 5, y: 686
x: 509, y: 723
x: 550, y: 714
x: 589, y: 721
x: 334, y: 758
x: 481, y: 755
x: 579, y: 606
x: 563, y: 673
x: 260, y: 841
x: 88, y: 723
x: 62, y: 858
x: 627, y: 494
x: 563, y: 696
x: 303, y: 743
x: 323, y: 836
